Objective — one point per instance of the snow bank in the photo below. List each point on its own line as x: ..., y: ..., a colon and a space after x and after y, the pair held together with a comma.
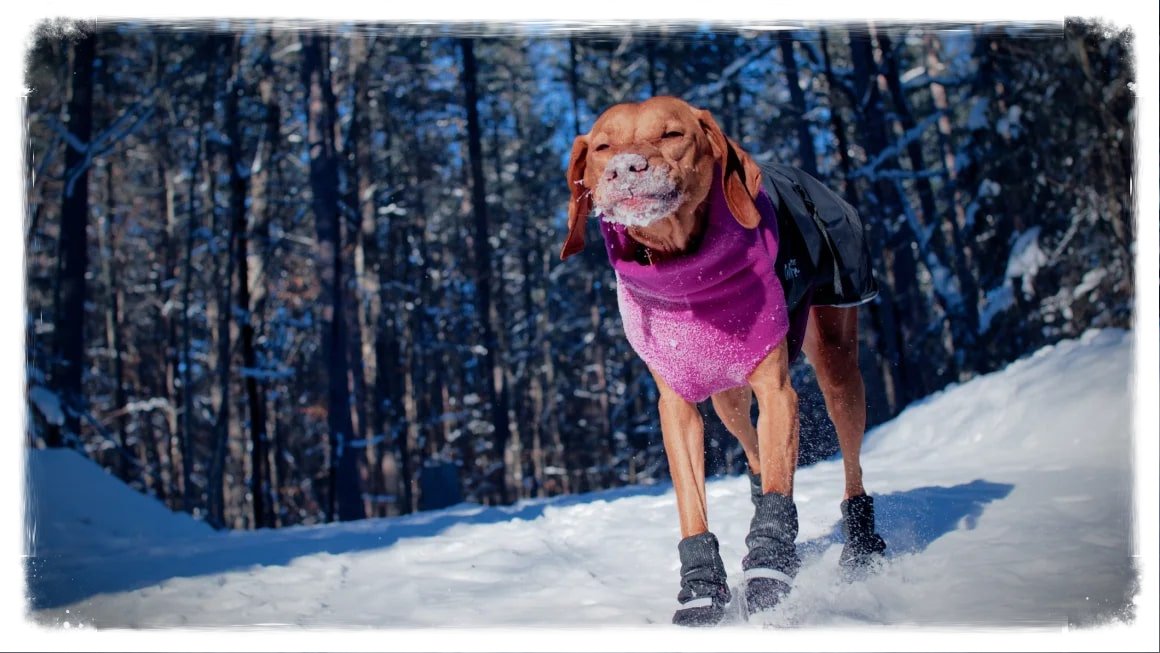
x: 1005, y: 501
x: 75, y: 506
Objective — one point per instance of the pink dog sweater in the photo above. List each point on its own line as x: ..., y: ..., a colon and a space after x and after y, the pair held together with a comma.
x: 703, y: 321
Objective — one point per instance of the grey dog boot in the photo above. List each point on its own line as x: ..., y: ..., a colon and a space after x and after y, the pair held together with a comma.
x: 772, y: 561
x: 704, y: 591
x: 863, y: 546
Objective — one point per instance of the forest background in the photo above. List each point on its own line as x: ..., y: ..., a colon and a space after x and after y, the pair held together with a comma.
x: 279, y: 277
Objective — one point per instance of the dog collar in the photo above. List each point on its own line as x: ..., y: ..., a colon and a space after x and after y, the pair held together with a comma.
x: 646, y: 255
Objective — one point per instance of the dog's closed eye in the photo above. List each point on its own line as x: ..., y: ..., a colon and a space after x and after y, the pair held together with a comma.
x: 672, y: 134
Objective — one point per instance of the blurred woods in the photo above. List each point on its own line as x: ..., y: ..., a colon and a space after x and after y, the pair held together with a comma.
x: 280, y: 277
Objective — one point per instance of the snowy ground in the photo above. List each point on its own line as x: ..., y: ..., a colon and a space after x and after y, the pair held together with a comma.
x: 1005, y: 501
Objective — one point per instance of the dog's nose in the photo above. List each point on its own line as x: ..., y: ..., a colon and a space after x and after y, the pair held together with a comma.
x: 623, y: 164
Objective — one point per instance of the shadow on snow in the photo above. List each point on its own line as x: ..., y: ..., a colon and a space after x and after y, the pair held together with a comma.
x: 909, y: 521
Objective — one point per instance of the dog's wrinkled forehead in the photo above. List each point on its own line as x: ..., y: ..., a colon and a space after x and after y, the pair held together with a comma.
x: 640, y: 121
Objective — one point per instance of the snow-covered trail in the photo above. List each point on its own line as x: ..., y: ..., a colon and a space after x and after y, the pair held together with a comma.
x: 1004, y: 501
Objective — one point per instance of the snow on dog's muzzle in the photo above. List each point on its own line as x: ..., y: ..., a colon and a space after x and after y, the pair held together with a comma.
x: 634, y: 193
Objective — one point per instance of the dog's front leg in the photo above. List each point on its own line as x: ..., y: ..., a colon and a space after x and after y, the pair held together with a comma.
x: 704, y: 587
x: 684, y: 436
x: 777, y: 422
x: 772, y: 560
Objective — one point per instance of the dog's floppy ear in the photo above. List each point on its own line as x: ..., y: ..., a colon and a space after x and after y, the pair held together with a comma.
x: 580, y: 204
x: 740, y: 176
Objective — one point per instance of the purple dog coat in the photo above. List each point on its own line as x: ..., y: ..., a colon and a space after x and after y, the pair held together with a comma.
x: 704, y: 320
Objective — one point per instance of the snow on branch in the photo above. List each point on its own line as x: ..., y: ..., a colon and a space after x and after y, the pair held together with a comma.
x: 69, y: 137
x: 904, y: 175
x: 1078, y: 219
x: 925, y: 79
x: 140, y: 406
x: 120, y: 129
x: 995, y: 302
x: 1026, y: 259
x: 870, y: 170
x: 700, y: 93
x: 266, y: 374
x: 48, y: 403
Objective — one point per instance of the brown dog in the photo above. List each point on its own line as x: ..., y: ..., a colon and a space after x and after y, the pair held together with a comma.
x: 651, y: 170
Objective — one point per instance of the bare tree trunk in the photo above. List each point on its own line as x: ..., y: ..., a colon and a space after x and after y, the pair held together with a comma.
x: 214, y: 490
x: 884, y: 207
x: 493, y: 384
x: 362, y: 293
x: 390, y: 376
x: 239, y: 229
x: 69, y: 314
x: 806, y: 150
x: 964, y: 315
x: 851, y: 190
x: 530, y: 451
x: 881, y: 400
x: 345, y: 496
x: 595, y: 314
x: 728, y: 108
x: 574, y: 85
x: 961, y: 251
x: 224, y: 363
x: 415, y: 376
x: 281, y: 469
x: 113, y: 320
x: 550, y: 403
x: 224, y: 334
x: 513, y: 453
x: 166, y: 281
x: 262, y: 406
x: 374, y: 323
x: 650, y: 54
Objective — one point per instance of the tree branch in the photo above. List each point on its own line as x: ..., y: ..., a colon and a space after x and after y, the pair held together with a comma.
x: 700, y: 93
x: 870, y: 170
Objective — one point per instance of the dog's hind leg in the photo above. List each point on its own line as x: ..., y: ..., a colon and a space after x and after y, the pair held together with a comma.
x: 831, y: 345
x: 733, y: 407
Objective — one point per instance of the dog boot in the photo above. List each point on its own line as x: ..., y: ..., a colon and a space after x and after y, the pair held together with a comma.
x: 704, y: 592
x: 863, y: 546
x: 772, y: 561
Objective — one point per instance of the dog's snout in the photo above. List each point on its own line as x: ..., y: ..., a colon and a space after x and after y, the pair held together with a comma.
x: 623, y: 164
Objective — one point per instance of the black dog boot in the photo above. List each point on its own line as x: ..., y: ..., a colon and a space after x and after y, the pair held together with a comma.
x: 704, y: 591
x: 772, y: 561
x: 863, y: 547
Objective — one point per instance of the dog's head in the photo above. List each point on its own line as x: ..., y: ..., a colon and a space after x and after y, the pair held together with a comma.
x: 643, y: 162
